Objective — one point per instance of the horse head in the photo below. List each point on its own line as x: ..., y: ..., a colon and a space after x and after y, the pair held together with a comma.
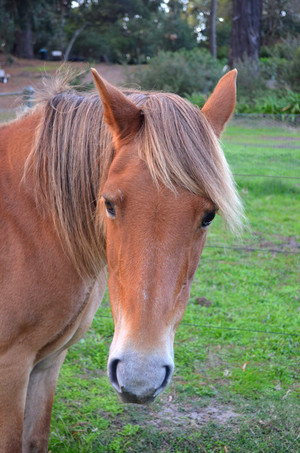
x: 155, y: 226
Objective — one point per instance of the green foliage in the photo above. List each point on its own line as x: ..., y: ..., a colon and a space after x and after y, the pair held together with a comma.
x: 288, y: 103
x: 130, y: 32
x: 180, y: 72
x: 198, y: 99
x: 7, y: 29
x: 282, y: 64
x: 284, y: 73
x: 294, y: 77
x: 250, y: 80
x: 285, y: 48
x: 273, y: 102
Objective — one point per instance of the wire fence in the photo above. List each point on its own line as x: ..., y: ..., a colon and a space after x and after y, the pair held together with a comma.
x: 252, y: 249
x: 238, y: 329
x: 27, y: 94
x: 272, y: 118
x: 266, y: 176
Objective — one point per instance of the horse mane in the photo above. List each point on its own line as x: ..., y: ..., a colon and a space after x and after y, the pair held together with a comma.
x: 73, y: 151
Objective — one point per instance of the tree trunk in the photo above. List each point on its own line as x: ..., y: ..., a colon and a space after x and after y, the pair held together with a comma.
x: 24, y: 41
x: 246, y: 28
x: 73, y: 39
x: 212, y: 28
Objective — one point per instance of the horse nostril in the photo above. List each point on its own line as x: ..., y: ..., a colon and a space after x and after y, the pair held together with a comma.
x: 112, y: 373
x: 167, y: 377
x: 165, y: 381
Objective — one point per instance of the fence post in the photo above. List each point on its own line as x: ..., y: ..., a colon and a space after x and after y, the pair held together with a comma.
x: 28, y: 100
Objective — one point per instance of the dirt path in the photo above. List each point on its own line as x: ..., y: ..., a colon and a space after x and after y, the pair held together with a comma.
x: 30, y: 72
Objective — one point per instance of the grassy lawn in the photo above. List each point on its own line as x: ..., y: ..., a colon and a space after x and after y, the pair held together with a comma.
x: 235, y: 385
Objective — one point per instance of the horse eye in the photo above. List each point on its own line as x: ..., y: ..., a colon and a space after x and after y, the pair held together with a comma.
x: 207, y: 219
x: 110, y: 209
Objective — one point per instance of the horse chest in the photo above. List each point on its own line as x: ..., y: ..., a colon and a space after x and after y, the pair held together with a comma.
x: 75, y: 327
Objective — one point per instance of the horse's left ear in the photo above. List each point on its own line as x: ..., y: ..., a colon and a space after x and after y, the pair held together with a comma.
x: 220, y: 105
x: 122, y: 116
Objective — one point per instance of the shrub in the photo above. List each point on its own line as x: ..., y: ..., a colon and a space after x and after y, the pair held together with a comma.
x: 288, y: 103
x: 275, y: 103
x: 283, y: 72
x: 283, y: 64
x: 285, y: 48
x: 198, y: 99
x: 250, y: 81
x: 294, y: 75
x: 182, y: 72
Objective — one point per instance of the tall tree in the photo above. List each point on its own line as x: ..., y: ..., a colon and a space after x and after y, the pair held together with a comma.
x: 246, y: 29
x: 212, y: 28
x: 22, y: 13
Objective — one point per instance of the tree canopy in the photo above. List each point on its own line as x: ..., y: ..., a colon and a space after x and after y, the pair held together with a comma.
x: 133, y: 31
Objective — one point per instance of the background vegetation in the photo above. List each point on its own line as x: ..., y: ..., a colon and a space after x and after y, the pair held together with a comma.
x: 135, y: 30
x: 187, y: 44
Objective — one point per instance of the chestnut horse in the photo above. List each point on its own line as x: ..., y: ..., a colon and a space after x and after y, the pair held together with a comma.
x: 128, y: 181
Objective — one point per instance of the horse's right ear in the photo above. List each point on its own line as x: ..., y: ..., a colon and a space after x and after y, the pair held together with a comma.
x: 122, y: 116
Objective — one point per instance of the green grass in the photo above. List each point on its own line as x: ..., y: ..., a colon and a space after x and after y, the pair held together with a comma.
x: 7, y: 116
x: 43, y: 67
x: 252, y: 375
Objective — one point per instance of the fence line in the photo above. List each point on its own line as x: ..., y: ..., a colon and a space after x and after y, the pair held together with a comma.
x: 27, y: 93
x: 207, y: 326
x: 266, y: 176
x: 252, y: 249
x: 291, y: 118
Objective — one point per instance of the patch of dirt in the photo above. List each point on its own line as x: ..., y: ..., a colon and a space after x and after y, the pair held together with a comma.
x: 279, y: 242
x: 30, y: 72
x: 203, y: 301
x: 169, y: 414
x: 193, y: 416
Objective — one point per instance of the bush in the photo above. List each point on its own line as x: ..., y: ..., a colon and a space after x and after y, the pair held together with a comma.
x: 283, y: 64
x: 285, y: 48
x: 275, y: 103
x: 294, y: 75
x: 250, y: 80
x: 285, y: 73
x: 182, y: 72
x: 198, y: 99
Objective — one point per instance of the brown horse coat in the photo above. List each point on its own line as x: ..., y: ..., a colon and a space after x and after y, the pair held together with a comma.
x: 54, y: 237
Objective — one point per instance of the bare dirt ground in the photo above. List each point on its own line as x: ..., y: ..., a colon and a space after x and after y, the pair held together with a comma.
x: 30, y: 72
x: 167, y: 414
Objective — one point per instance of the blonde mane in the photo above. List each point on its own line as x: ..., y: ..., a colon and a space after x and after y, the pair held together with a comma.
x: 74, y: 150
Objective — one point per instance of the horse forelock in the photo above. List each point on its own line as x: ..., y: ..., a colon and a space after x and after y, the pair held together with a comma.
x: 74, y: 149
x: 181, y: 149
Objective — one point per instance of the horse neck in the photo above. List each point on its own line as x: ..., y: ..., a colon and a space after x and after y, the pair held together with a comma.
x: 16, y: 142
x: 66, y: 165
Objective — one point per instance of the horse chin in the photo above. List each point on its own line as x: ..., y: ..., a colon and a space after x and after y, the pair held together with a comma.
x: 127, y: 397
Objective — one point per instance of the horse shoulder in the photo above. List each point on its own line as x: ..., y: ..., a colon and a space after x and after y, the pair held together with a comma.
x: 43, y: 301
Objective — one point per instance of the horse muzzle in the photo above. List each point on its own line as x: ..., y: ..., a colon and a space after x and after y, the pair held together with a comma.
x: 138, y: 378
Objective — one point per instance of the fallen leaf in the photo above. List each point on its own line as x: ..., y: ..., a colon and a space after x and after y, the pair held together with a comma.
x: 244, y: 366
x: 287, y: 394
